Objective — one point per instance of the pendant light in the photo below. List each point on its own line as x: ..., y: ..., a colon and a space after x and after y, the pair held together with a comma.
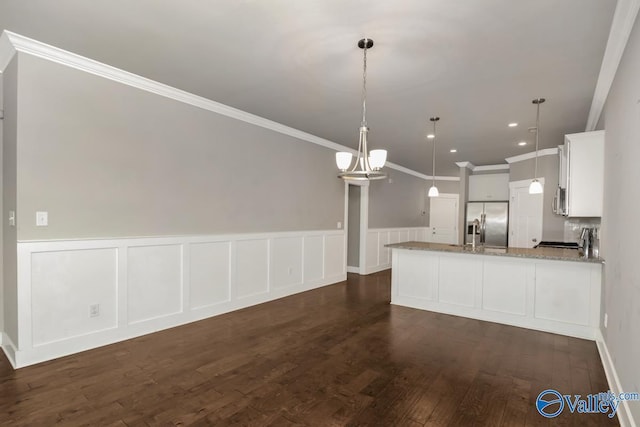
x: 536, y: 187
x: 433, y: 191
x: 368, y: 165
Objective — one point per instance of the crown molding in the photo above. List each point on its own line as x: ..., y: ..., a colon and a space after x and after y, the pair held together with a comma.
x: 7, y: 51
x: 465, y: 165
x: 623, y: 19
x: 491, y: 168
x: 475, y: 168
x: 11, y: 43
x: 532, y: 155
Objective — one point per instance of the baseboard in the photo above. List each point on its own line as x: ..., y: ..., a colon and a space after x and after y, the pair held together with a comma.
x: 624, y: 412
x: 8, y: 348
x: 376, y: 269
x: 351, y: 269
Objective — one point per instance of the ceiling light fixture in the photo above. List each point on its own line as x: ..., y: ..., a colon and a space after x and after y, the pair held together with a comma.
x: 433, y: 191
x: 512, y: 124
x: 453, y: 150
x: 522, y: 143
x: 536, y: 187
x: 368, y: 164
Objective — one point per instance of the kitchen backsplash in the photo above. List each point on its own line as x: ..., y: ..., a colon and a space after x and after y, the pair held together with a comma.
x: 573, y: 227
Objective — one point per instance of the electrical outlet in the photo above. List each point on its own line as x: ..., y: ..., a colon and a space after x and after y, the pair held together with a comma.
x: 606, y: 320
x: 12, y: 218
x: 94, y: 310
x: 339, y: 225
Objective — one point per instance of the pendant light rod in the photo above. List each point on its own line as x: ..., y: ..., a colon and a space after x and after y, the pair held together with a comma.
x: 536, y: 187
x: 537, y: 101
x: 433, y: 191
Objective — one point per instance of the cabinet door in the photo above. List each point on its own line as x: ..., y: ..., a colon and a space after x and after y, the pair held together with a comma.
x: 585, y: 162
x: 490, y: 187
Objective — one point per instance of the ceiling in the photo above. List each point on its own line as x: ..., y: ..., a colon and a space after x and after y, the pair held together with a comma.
x: 476, y: 64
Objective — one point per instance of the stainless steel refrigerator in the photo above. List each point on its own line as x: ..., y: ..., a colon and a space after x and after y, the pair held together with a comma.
x: 494, y: 223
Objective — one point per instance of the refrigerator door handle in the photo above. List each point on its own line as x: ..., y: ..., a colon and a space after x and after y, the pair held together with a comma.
x: 483, y: 224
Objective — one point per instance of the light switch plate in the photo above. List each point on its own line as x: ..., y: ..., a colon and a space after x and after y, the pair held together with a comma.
x: 42, y: 219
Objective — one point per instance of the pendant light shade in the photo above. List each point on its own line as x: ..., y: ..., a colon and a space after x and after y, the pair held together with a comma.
x: 433, y: 191
x: 368, y: 165
x: 536, y: 187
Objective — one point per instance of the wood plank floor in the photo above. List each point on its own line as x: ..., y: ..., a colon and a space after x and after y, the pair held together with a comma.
x: 340, y: 355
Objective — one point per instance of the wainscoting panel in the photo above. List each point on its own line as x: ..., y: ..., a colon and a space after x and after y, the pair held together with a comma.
x: 286, y: 262
x: 142, y: 285
x: 313, y: 258
x: 209, y: 274
x: 154, y: 281
x: 334, y: 255
x: 378, y: 256
x: 252, y: 267
x: 64, y: 285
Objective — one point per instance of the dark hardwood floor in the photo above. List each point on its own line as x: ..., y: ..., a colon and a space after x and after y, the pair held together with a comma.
x: 340, y: 355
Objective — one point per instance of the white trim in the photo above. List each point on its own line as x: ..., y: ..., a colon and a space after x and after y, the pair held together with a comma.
x: 475, y: 168
x: 364, y: 226
x: 351, y: 269
x: 10, y: 43
x: 623, y: 20
x: 328, y: 265
x: 381, y: 259
x: 465, y: 165
x: 532, y: 155
x: 625, y: 417
x: 490, y: 168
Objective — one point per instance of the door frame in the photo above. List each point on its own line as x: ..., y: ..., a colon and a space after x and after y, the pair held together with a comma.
x: 457, y: 214
x: 522, y: 184
x: 364, y: 225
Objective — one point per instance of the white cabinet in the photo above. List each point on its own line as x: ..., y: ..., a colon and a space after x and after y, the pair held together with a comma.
x: 489, y: 187
x: 562, y: 297
x: 585, y: 173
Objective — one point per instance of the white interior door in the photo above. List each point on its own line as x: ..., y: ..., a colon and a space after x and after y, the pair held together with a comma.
x: 525, y: 215
x: 443, y: 218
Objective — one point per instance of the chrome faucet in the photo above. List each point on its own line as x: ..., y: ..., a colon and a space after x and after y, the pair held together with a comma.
x: 476, y: 224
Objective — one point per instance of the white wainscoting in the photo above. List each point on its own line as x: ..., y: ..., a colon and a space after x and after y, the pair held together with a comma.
x: 378, y: 257
x: 142, y: 285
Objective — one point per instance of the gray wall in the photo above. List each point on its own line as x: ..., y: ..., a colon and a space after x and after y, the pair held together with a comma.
x: 619, y: 243
x: 399, y: 203
x: 2, y: 214
x: 353, y: 236
x: 108, y: 160
x: 9, y: 250
x: 552, y: 224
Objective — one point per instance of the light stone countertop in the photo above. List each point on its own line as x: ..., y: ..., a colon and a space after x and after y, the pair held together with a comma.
x: 540, y: 253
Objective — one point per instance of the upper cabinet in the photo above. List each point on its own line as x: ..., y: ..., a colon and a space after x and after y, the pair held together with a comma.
x: 582, y: 170
x: 489, y: 187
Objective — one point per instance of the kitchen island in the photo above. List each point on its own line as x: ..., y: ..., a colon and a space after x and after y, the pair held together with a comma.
x: 547, y: 289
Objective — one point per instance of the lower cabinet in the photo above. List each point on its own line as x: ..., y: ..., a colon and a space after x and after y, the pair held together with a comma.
x: 554, y: 296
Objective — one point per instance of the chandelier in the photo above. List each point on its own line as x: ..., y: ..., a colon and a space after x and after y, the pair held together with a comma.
x: 368, y: 165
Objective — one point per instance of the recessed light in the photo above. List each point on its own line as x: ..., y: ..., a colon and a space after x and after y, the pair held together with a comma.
x: 453, y: 150
x: 522, y: 143
x: 431, y: 136
x: 513, y: 124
